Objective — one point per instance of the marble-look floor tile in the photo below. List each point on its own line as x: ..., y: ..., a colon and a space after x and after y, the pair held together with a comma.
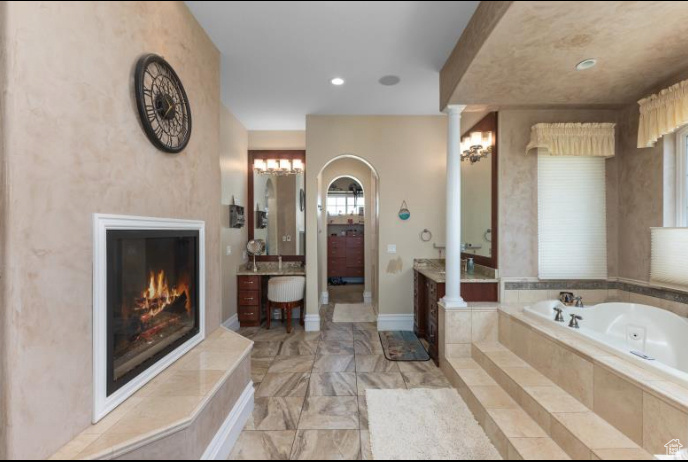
x: 329, y: 413
x: 263, y: 446
x: 337, y: 336
x: 259, y: 367
x: 375, y: 363
x: 303, y: 337
x: 265, y: 349
x: 336, y: 348
x: 425, y: 380
x: 283, y: 364
x: 416, y: 367
x: 338, y: 327
x: 275, y: 414
x: 327, y: 445
x: 365, y: 326
x: 334, y: 363
x: 283, y: 385
x: 363, y: 346
x: 332, y: 384
x: 366, y: 449
x: 248, y: 332
x: 363, y: 413
x: 303, y: 348
x: 272, y: 335
x: 380, y: 381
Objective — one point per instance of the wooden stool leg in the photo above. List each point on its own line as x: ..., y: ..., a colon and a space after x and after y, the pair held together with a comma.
x: 288, y: 310
x: 269, y: 314
x: 302, y: 321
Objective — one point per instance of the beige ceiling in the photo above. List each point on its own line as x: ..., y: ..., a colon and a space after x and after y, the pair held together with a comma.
x: 529, y: 51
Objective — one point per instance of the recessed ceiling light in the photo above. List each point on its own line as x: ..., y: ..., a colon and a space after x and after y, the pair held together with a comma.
x: 389, y: 80
x: 586, y: 64
x: 337, y: 81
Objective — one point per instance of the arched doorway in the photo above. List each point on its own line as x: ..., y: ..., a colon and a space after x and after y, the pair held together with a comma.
x: 340, y: 277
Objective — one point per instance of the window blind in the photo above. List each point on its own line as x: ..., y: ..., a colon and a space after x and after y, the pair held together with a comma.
x: 572, y: 217
x: 669, y: 256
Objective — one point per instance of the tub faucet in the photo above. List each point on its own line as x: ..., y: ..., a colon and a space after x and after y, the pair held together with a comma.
x: 574, y: 321
x: 578, y: 302
x: 560, y: 316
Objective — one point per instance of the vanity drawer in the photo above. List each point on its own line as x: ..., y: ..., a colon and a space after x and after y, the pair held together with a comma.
x: 249, y: 282
x: 249, y: 313
x: 354, y: 272
x: 249, y: 298
x: 355, y: 260
x: 336, y: 267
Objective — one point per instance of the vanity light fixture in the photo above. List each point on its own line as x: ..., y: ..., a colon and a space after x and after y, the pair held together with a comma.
x: 337, y: 81
x: 278, y: 166
x: 476, y: 146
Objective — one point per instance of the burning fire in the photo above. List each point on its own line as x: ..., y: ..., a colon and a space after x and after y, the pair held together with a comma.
x: 159, y: 296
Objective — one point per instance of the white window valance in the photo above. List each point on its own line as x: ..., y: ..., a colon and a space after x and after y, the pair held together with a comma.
x: 662, y: 113
x: 573, y: 139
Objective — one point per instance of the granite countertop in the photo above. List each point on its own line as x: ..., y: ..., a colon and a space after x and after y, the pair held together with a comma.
x: 435, y: 271
x: 272, y: 269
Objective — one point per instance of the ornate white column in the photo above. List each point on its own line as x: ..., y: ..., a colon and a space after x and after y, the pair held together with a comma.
x: 453, y: 299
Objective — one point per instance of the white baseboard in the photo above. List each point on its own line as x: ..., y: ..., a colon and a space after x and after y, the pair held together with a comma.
x: 325, y: 298
x: 232, y: 323
x: 387, y: 322
x: 312, y: 323
x: 367, y: 298
x: 226, y: 437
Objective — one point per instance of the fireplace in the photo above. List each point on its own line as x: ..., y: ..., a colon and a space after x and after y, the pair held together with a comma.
x: 152, y: 298
x: 148, y: 301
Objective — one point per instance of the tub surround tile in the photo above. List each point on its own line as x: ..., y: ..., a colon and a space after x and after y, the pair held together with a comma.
x: 494, y: 397
x: 620, y: 403
x: 661, y: 424
x: 515, y: 423
x: 593, y: 431
x: 621, y: 454
x: 535, y: 449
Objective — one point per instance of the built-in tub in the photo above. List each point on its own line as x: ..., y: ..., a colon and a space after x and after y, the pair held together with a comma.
x: 632, y: 330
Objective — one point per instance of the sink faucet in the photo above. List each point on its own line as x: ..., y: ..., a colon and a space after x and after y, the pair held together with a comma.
x: 574, y: 321
x: 560, y: 316
x: 578, y: 302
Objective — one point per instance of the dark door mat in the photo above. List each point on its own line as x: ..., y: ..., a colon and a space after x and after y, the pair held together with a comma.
x: 403, y: 346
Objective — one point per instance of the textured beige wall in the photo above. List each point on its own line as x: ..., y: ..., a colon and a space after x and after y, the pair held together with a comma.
x: 640, y: 197
x: 277, y: 139
x: 233, y: 161
x: 75, y: 148
x: 360, y: 171
x: 518, y: 214
x: 3, y: 222
x: 409, y: 154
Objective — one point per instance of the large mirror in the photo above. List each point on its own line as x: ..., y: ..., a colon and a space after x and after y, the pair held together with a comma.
x: 479, y: 192
x: 277, y: 195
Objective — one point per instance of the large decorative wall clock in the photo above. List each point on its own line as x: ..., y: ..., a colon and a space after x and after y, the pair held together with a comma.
x: 162, y: 104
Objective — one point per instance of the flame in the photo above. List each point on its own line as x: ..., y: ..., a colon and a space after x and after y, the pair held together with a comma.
x: 159, y: 295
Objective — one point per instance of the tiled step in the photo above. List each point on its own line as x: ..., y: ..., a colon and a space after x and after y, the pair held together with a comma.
x: 513, y: 432
x: 575, y: 428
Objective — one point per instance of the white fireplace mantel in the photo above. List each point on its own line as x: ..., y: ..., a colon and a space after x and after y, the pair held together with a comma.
x: 103, y: 404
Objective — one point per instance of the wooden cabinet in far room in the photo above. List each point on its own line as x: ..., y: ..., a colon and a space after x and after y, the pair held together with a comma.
x: 345, y: 257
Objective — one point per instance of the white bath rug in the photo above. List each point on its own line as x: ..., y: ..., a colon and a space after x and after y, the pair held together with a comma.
x: 425, y: 424
x: 354, y: 312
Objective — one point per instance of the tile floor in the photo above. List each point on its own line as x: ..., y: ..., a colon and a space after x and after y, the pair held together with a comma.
x: 310, y: 388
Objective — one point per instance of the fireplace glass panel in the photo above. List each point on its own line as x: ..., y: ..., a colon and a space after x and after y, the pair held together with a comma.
x: 152, y: 298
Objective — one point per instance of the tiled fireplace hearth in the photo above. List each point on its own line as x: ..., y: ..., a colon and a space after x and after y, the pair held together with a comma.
x: 148, y: 301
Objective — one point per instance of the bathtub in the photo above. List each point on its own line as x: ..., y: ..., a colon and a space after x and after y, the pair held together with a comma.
x: 655, y: 339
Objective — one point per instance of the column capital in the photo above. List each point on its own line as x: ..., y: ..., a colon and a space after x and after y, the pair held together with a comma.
x: 455, y: 109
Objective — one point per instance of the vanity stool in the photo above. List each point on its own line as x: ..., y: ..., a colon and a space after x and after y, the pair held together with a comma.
x: 285, y: 294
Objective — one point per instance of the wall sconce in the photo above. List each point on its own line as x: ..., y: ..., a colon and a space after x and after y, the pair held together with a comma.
x: 476, y: 146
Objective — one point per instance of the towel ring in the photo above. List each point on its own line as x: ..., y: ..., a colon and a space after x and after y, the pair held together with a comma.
x: 426, y: 235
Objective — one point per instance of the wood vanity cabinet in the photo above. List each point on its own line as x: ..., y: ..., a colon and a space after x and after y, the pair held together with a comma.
x: 426, y: 297
x: 345, y: 257
x: 252, y: 291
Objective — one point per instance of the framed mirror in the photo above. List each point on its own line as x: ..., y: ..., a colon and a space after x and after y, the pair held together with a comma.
x: 479, y: 192
x: 277, y: 203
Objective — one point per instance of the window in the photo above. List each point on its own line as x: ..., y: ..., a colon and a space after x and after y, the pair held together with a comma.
x: 572, y: 221
x: 682, y: 177
x: 343, y: 204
